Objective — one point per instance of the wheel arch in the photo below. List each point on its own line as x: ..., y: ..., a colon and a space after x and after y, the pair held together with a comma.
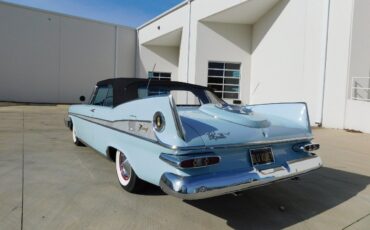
x: 73, y: 122
x: 111, y: 152
x: 111, y: 155
x: 69, y: 123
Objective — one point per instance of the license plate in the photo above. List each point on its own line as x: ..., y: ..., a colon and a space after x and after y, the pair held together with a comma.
x: 261, y: 156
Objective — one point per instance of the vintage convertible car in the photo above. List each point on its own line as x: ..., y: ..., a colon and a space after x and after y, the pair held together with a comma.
x: 188, y: 141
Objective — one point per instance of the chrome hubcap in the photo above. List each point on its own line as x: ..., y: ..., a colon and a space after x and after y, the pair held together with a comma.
x: 124, y: 167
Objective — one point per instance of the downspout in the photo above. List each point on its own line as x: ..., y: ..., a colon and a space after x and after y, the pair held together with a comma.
x: 325, y: 39
x: 189, y: 36
x: 115, y: 50
x: 137, y: 54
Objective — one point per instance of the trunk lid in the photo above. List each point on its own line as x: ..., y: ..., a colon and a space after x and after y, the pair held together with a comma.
x: 235, y: 125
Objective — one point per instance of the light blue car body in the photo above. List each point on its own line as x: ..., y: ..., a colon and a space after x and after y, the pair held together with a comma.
x: 229, y: 132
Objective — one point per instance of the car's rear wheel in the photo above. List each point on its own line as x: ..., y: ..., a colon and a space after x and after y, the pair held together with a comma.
x: 126, y: 174
x: 75, y: 139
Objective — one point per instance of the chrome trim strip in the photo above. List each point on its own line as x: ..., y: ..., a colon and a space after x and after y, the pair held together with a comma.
x: 96, y: 118
x: 216, y: 184
x: 198, y: 148
x: 178, y: 124
x: 109, y: 124
x: 246, y: 145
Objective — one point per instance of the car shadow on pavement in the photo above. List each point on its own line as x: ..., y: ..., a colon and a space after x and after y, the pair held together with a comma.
x: 284, y: 204
x: 151, y: 190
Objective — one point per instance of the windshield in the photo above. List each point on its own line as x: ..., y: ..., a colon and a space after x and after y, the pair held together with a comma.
x: 182, y: 97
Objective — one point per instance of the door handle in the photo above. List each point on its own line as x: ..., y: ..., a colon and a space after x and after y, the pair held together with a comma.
x: 92, y: 110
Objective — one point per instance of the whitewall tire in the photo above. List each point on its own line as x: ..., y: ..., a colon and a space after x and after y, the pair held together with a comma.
x: 126, y: 174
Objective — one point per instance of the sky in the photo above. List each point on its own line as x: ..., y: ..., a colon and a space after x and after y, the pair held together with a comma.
x: 123, y: 12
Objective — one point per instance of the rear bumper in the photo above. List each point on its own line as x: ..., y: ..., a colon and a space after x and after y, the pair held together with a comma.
x: 216, y: 184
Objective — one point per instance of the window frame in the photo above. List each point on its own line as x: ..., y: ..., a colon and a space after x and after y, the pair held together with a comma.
x: 96, y: 90
x: 212, y: 66
x: 160, y: 77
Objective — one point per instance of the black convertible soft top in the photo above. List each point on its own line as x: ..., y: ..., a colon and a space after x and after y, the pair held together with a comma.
x: 126, y: 89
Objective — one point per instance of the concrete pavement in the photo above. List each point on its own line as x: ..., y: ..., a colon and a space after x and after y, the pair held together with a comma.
x: 69, y: 187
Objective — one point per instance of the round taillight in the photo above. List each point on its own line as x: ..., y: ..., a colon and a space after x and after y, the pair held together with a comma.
x: 158, y: 122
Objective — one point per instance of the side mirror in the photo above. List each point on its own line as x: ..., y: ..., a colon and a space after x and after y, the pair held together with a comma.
x: 82, y: 98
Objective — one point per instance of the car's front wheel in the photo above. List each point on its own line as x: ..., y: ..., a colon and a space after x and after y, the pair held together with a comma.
x: 126, y: 174
x: 75, y: 139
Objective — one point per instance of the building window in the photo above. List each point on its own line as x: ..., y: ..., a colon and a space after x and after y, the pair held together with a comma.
x: 159, y: 76
x: 224, y: 79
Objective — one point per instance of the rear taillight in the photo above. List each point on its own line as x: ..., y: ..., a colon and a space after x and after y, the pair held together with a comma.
x: 306, y: 147
x: 199, y: 162
x: 196, y: 160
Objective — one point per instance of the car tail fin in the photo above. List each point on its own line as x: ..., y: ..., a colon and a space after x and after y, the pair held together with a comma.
x: 180, y: 129
x: 292, y: 115
x: 161, y: 114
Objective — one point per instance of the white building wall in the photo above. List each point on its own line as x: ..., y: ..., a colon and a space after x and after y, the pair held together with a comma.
x: 175, y: 20
x: 357, y: 115
x: 184, y: 48
x: 199, y: 10
x: 159, y: 59
x: 287, y: 55
x: 201, y: 42
x: 281, y: 54
x: 360, y: 40
x: 86, y: 56
x: 52, y: 58
x: 178, y: 18
x: 337, y: 66
x: 224, y: 42
x: 165, y: 58
x: 29, y: 55
x: 126, y: 52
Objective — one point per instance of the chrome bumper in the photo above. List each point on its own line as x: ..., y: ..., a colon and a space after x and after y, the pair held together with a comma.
x: 216, y: 184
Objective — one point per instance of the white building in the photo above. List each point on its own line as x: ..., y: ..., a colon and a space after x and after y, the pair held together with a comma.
x: 254, y: 51
x: 317, y: 51
x: 56, y: 58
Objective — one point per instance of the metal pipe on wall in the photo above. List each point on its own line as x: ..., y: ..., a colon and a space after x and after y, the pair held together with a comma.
x: 188, y: 56
x: 325, y: 37
x: 115, y: 51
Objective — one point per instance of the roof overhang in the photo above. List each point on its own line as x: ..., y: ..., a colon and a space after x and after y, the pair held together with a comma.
x: 248, y: 12
x: 171, y: 39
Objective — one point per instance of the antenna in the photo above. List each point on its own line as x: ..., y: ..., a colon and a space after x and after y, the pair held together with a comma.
x: 147, y: 87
